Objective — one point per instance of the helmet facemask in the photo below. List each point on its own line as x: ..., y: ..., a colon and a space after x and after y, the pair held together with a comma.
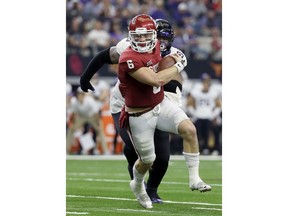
x: 142, y: 40
x: 142, y: 33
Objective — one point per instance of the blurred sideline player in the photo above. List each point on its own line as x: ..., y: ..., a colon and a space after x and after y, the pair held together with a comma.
x: 165, y: 35
x: 204, y: 106
x: 146, y: 107
x: 83, y: 109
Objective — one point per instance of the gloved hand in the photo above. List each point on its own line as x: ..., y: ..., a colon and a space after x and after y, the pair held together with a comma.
x: 86, y: 85
x: 183, y: 58
x: 181, y: 62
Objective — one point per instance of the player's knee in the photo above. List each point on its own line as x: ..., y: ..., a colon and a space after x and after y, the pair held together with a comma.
x: 187, y: 129
x: 149, y: 158
x: 192, y: 130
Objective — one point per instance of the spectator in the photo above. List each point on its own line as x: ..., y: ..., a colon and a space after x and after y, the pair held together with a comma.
x: 98, y: 37
x: 181, y: 14
x: 93, y: 9
x: 116, y: 32
x: 108, y: 9
x: 74, y: 9
x: 133, y: 7
x: 191, y: 41
x: 178, y: 41
x: 216, y: 45
x: 159, y: 12
x: 197, y: 8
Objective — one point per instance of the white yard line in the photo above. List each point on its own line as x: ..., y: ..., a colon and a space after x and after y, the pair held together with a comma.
x: 126, y: 199
x: 134, y: 210
x: 122, y: 157
x: 209, y: 209
x: 122, y: 181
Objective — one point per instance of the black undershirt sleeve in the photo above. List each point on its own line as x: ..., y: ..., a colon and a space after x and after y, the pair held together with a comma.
x: 103, y: 57
x: 172, y: 85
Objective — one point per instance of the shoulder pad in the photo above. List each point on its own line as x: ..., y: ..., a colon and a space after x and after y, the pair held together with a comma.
x: 122, y: 45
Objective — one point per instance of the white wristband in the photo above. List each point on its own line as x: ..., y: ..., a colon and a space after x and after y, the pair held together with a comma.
x: 179, y: 66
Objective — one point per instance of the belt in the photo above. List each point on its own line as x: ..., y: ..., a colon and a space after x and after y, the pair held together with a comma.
x: 140, y: 113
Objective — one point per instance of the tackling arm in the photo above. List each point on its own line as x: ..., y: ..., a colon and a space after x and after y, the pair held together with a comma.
x: 106, y: 56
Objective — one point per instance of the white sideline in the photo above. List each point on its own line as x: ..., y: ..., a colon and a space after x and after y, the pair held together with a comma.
x: 122, y: 157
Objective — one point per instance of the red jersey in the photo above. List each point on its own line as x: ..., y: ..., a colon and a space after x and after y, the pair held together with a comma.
x: 138, y: 94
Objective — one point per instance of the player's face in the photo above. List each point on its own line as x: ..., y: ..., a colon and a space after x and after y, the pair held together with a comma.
x: 163, y: 43
x: 161, y: 39
x: 206, y: 84
x: 143, y: 37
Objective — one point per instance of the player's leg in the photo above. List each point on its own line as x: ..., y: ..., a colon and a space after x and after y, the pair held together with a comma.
x: 188, y: 132
x: 97, y: 124
x: 141, y: 129
x: 173, y: 119
x: 202, y: 126
x: 74, y: 132
x: 160, y: 165
x: 216, y: 129
x: 128, y: 149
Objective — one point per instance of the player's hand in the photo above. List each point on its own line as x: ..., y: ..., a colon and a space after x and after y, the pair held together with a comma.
x: 181, y: 63
x: 183, y: 58
x: 86, y: 85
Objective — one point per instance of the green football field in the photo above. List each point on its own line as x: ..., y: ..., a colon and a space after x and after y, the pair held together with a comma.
x: 101, y: 187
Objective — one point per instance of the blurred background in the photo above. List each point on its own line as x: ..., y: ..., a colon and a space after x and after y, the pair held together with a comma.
x: 93, y: 25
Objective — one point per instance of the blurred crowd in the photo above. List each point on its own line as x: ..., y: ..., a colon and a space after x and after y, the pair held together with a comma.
x: 93, y: 25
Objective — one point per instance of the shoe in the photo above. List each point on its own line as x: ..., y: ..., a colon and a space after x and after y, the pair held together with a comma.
x: 205, y: 152
x: 155, y: 198
x: 215, y: 153
x: 141, y: 194
x: 201, y: 186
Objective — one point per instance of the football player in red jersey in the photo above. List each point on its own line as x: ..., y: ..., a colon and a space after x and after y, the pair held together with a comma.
x: 172, y: 90
x: 146, y: 108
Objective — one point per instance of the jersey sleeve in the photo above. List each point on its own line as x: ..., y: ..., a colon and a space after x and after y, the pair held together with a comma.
x: 129, y: 65
x: 175, y: 50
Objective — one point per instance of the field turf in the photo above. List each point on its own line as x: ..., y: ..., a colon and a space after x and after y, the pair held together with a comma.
x: 101, y: 187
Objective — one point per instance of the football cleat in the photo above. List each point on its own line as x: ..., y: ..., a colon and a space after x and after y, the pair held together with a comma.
x: 141, y: 194
x: 155, y: 198
x: 201, y: 186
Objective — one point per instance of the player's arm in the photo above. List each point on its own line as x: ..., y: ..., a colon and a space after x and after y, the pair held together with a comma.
x: 217, y: 110
x: 191, y: 104
x: 149, y: 77
x: 178, y: 77
x: 106, y: 56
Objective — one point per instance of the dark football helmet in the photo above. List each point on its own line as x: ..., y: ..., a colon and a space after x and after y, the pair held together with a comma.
x: 166, y: 32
